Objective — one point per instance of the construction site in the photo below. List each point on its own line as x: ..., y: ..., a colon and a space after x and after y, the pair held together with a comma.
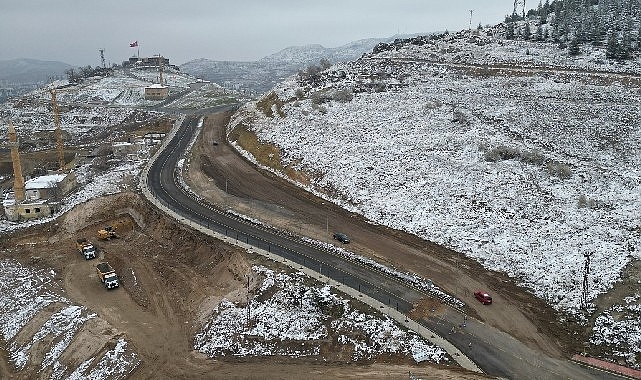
x: 136, y: 269
x: 107, y: 241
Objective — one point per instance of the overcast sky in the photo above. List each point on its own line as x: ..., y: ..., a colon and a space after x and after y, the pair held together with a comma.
x: 73, y: 31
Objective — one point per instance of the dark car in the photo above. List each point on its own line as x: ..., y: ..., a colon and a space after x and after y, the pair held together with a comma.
x: 341, y: 237
x: 483, y: 297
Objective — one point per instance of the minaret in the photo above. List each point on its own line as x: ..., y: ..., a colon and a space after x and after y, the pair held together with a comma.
x: 160, y: 63
x: 56, y: 122
x: 18, y: 182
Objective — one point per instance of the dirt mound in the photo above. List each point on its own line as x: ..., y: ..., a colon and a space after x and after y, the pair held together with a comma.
x: 168, y: 275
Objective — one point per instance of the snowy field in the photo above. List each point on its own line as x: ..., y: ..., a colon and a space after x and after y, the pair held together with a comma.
x: 175, y: 80
x: 526, y: 173
x: 288, y: 318
x: 89, y: 108
x: 487, y: 48
x: 32, y: 296
x: 87, y: 115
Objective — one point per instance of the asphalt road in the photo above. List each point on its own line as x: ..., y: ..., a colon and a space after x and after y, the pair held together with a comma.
x: 375, y: 284
x: 495, y: 352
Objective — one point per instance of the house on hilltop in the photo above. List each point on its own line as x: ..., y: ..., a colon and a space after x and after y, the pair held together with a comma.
x: 156, y: 91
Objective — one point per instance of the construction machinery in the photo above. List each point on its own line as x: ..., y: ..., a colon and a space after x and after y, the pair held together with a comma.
x: 86, y: 248
x: 107, y: 275
x: 107, y: 233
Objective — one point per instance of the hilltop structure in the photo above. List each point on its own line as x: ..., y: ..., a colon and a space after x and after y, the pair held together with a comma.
x: 149, y: 62
x: 158, y: 91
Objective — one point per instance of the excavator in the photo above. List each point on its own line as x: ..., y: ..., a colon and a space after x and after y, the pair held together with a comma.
x: 107, y: 233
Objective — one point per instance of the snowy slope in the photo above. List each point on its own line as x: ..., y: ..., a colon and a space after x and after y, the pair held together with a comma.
x: 290, y: 318
x: 27, y: 293
x: 498, y: 149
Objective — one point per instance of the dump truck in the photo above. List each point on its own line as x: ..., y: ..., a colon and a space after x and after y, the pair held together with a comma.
x: 107, y: 275
x: 107, y: 233
x: 86, y: 248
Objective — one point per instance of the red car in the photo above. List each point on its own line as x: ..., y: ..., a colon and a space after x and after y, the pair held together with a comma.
x: 483, y: 297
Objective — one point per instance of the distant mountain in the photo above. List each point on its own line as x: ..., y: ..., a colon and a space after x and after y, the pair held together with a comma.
x: 260, y: 76
x: 308, y: 54
x: 29, y: 71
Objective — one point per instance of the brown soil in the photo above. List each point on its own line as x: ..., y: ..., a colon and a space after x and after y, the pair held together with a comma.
x: 172, y: 277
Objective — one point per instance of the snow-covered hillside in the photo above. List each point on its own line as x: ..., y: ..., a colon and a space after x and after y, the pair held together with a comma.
x: 295, y: 318
x: 511, y: 152
x: 90, y: 108
x: 30, y: 297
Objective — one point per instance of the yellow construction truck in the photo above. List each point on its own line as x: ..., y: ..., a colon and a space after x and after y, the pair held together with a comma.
x: 107, y: 275
x: 86, y: 248
x: 107, y: 233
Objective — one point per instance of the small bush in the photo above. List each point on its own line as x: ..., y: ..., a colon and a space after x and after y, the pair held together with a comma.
x: 459, y: 117
x: 319, y: 108
x: 343, y: 95
x: 560, y: 170
x: 500, y: 153
x: 433, y: 105
x: 318, y: 99
x: 378, y: 86
x: 533, y: 157
x: 270, y: 102
x: 585, y: 202
x: 582, y: 202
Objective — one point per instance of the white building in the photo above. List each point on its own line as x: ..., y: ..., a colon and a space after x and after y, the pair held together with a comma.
x: 39, y: 194
x: 43, y: 187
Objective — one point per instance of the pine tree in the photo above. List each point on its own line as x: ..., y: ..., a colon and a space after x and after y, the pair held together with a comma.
x: 574, y: 47
x: 625, y: 48
x: 509, y: 30
x: 539, y: 33
x: 612, y: 51
x: 615, y: 24
x: 527, y: 32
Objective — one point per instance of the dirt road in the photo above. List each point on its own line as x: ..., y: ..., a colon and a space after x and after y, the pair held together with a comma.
x: 219, y: 174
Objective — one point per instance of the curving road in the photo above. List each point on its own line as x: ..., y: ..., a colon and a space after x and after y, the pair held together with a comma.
x: 495, y: 352
x: 162, y: 183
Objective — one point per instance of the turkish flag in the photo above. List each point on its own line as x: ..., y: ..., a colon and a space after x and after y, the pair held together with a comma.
x: 133, y: 44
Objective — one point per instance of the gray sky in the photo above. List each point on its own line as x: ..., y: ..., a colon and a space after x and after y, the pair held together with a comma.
x: 73, y: 31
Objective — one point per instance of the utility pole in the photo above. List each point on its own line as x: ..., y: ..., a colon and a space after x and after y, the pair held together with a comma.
x: 516, y: 5
x: 471, y: 12
x: 586, y: 272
